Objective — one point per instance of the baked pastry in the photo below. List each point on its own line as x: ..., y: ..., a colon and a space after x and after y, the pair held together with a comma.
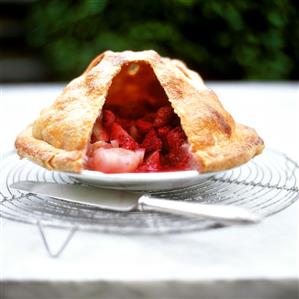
x: 137, y: 112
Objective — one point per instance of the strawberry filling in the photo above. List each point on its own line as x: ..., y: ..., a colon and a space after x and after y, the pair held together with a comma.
x: 137, y: 130
x: 151, y: 143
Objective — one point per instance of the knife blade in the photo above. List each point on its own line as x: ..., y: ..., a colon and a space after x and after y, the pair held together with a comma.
x: 124, y: 201
x: 116, y: 200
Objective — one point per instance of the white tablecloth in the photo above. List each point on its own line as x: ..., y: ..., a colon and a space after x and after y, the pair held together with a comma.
x: 259, y: 261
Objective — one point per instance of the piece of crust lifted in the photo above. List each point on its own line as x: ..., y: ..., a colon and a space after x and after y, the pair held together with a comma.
x: 58, y: 139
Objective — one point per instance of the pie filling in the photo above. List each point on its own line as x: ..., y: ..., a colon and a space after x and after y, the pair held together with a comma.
x: 138, y: 135
x: 152, y: 143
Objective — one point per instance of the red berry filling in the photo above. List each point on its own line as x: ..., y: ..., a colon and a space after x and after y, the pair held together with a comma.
x: 123, y: 137
x: 151, y: 143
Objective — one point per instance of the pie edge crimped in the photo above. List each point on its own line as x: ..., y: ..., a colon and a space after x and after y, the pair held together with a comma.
x: 46, y: 155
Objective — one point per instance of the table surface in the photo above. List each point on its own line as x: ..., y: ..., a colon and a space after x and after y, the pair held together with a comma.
x: 173, y: 265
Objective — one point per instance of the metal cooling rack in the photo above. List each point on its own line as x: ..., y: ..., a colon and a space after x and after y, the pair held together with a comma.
x: 266, y: 185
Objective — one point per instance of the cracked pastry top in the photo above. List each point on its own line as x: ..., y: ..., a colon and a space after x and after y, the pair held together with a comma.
x: 137, y: 112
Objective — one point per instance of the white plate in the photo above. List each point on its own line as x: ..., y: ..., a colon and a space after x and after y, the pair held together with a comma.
x: 141, y: 181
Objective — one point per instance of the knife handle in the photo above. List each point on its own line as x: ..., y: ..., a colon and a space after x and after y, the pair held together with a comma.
x: 224, y: 214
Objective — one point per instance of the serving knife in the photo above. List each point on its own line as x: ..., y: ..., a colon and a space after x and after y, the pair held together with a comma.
x: 124, y: 201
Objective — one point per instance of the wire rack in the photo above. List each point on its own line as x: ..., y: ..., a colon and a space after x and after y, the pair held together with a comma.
x: 265, y: 185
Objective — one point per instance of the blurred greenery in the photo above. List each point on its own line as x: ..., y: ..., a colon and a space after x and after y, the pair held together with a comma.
x: 237, y: 39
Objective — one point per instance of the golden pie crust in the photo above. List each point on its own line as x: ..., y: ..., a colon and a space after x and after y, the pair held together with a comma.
x: 59, y: 137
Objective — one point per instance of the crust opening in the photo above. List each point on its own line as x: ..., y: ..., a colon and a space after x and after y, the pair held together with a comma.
x: 135, y: 91
x: 137, y: 121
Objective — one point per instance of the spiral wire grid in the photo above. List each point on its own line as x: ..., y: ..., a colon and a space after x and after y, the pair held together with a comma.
x: 265, y: 185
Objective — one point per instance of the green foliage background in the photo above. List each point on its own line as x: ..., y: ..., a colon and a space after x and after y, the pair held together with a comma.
x: 237, y: 39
